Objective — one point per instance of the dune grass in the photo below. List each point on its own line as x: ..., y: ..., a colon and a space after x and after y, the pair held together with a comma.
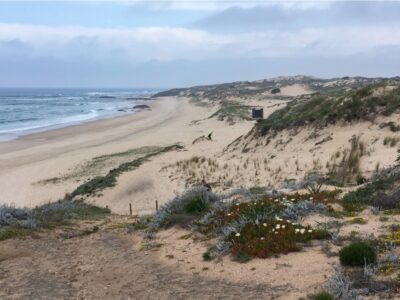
x: 99, y: 183
x: 330, y: 108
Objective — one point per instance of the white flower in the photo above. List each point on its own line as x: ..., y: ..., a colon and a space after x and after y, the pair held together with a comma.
x: 262, y: 238
x: 302, y: 231
x: 292, y: 199
x: 276, y: 200
x: 265, y: 224
x: 283, y: 226
x: 297, y: 230
x: 276, y: 232
x: 311, y: 198
x: 237, y: 234
x: 309, y: 230
x: 228, y: 214
x: 278, y: 226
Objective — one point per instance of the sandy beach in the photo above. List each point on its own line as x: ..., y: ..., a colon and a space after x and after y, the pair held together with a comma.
x: 27, y: 161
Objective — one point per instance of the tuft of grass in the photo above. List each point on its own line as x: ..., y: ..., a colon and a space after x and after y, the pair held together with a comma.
x: 348, y: 169
x: 358, y: 220
x: 242, y: 258
x: 207, y: 256
x: 391, y: 141
x: 197, y: 205
x: 321, y: 296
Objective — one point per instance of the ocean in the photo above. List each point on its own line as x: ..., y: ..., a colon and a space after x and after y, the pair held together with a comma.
x: 29, y: 110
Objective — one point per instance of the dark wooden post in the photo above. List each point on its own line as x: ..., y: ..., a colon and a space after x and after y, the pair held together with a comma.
x: 156, y: 205
x: 130, y: 209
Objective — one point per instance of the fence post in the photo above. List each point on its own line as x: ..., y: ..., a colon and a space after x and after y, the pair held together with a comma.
x: 130, y: 209
x: 156, y: 205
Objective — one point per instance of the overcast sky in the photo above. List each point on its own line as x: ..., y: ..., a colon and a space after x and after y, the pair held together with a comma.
x: 181, y: 43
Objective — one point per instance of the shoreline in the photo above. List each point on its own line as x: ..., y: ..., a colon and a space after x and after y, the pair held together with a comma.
x: 39, y: 157
x: 93, y: 125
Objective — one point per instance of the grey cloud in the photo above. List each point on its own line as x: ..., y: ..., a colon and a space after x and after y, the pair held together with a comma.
x: 47, y: 72
x: 267, y: 17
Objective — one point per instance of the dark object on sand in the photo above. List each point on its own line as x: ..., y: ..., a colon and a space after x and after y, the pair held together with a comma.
x: 257, y: 113
x: 141, y: 106
x: 209, y: 136
x: 275, y: 90
x: 200, y: 139
x: 206, y: 185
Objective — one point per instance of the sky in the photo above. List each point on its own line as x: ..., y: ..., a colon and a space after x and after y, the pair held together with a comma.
x: 179, y: 43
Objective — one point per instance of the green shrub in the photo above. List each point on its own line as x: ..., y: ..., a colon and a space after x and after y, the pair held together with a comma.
x: 242, y: 258
x: 184, y: 208
x: 322, y: 296
x: 196, y: 205
x: 357, y: 254
x: 352, y: 202
x: 207, y: 256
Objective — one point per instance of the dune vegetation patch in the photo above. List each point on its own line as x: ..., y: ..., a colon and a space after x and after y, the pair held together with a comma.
x: 321, y: 110
x: 244, y: 224
x: 231, y: 111
x: 100, y: 165
x: 99, y: 183
x: 16, y: 222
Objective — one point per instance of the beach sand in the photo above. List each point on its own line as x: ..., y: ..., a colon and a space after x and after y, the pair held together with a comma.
x: 28, y: 161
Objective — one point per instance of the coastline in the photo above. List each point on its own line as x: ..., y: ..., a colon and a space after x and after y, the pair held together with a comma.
x: 41, y: 156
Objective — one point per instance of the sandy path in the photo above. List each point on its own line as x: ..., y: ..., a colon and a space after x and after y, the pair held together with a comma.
x: 106, y: 265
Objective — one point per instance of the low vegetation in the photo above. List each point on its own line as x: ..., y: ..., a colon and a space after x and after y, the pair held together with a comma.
x: 344, y: 167
x: 358, y: 254
x: 322, y: 296
x: 321, y: 110
x: 99, y: 183
x: 231, y: 111
x: 16, y: 222
x: 381, y: 192
x: 257, y: 226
